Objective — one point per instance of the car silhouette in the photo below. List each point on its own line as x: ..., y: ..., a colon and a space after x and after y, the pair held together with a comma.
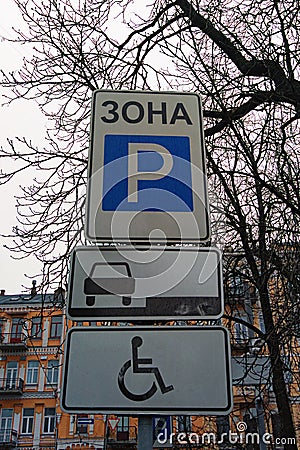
x: 109, y: 279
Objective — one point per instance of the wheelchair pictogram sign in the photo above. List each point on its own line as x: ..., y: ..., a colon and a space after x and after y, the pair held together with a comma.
x: 135, y: 362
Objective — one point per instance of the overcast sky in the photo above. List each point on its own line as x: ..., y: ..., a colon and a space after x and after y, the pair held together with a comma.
x: 20, y: 119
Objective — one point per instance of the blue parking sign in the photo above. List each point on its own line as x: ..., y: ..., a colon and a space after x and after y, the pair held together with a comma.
x: 147, y: 173
x: 146, y: 168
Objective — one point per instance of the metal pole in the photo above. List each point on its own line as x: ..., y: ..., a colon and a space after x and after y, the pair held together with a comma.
x: 145, y: 437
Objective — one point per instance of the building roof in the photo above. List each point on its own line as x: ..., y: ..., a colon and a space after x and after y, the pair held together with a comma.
x: 27, y: 299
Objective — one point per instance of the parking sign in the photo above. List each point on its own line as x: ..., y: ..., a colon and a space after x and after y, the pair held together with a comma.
x: 147, y: 176
x: 171, y: 190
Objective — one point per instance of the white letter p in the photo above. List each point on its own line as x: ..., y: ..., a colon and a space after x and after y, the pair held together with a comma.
x: 133, y: 173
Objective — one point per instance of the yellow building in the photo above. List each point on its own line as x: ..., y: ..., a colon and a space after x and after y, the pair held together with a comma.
x: 254, y: 399
x: 32, y: 336
x: 32, y: 333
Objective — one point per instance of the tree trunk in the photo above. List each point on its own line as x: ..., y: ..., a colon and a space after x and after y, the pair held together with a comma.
x: 278, y: 381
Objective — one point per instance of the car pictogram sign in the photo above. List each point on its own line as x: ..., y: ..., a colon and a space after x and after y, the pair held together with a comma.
x: 126, y: 284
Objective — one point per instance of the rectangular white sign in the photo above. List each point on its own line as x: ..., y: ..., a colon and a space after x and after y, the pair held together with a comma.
x: 147, y: 168
x: 174, y: 370
x: 126, y: 284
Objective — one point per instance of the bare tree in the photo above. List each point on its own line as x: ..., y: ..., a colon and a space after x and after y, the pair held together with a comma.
x: 242, y: 59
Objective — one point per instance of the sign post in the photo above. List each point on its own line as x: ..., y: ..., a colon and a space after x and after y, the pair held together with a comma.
x: 146, y: 185
x: 145, y: 433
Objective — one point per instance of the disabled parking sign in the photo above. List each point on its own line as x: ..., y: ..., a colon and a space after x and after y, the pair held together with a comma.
x: 147, y: 174
x: 138, y: 366
x: 143, y: 370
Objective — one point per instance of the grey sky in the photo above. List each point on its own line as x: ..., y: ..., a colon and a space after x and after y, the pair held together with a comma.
x: 24, y: 119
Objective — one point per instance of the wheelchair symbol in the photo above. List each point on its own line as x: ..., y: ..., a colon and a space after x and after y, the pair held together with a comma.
x: 137, y: 342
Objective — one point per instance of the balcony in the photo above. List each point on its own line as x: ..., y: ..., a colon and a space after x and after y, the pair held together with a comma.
x: 8, y: 438
x: 11, y: 386
x: 240, y: 346
x: 122, y: 438
x: 25, y: 442
x: 9, y: 341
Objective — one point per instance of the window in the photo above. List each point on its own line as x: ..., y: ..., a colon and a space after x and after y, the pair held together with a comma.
x: 6, y: 424
x: 123, y: 429
x: 32, y: 372
x: 123, y: 424
x: 288, y: 373
x: 36, y: 327
x: 56, y: 327
x: 241, y: 331
x: 16, y: 329
x: 184, y: 424
x: 261, y: 323
x: 237, y: 287
x: 12, y: 369
x: 49, y: 420
x: 52, y: 371
x: 27, y: 423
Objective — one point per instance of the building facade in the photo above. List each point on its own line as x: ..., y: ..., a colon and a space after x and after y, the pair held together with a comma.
x: 33, y: 329
x: 32, y: 332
